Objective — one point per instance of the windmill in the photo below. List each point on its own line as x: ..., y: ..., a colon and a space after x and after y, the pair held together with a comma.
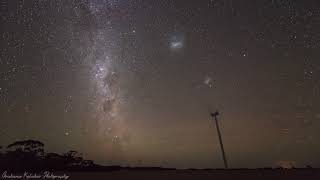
x: 214, y: 117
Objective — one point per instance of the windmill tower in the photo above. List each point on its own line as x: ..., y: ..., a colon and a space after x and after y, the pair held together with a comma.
x: 215, y: 118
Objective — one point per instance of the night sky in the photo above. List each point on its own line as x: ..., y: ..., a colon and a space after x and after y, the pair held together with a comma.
x: 134, y: 82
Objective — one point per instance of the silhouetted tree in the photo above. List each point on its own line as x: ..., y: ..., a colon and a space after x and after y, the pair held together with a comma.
x: 30, y: 154
x: 22, y: 154
x: 28, y: 146
x: 87, y: 163
x: 72, y: 158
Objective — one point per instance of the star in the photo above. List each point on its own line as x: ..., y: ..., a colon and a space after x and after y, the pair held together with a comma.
x: 208, y: 81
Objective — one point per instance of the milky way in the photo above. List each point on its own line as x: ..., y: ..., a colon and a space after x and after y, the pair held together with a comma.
x: 134, y: 82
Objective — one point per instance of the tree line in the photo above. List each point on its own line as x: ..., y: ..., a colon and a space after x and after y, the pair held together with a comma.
x: 30, y: 155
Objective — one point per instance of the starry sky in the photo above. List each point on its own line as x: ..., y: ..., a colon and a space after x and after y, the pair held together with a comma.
x: 134, y: 82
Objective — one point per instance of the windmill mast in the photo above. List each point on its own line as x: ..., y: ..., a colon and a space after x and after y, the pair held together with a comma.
x: 214, y: 116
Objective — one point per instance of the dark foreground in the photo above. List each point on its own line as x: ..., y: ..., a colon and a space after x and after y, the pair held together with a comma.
x: 153, y: 174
